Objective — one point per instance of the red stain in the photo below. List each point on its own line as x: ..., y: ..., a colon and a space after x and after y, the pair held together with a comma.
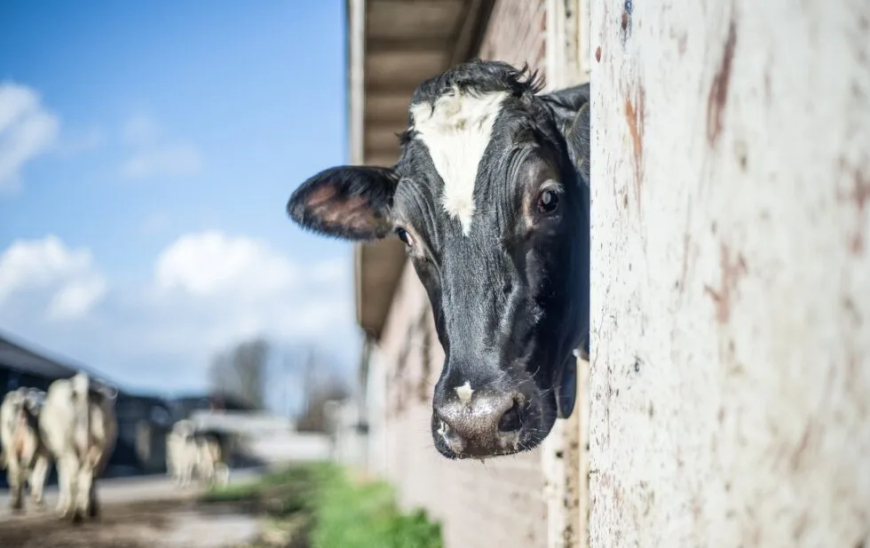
x: 634, y: 114
x: 858, y: 195
x: 719, y: 90
x: 732, y: 271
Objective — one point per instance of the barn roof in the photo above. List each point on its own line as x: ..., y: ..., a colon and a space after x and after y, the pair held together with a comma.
x: 22, y: 357
x: 14, y: 356
x: 393, y: 46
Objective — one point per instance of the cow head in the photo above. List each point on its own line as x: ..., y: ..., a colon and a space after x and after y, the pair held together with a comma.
x: 490, y: 196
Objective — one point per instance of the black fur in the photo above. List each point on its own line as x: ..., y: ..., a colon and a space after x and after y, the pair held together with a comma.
x: 360, y: 202
x: 510, y: 299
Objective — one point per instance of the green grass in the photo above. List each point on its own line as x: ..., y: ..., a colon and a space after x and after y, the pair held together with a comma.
x: 333, y: 510
x: 351, y: 515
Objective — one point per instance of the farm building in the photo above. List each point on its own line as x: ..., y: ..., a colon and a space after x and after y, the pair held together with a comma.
x: 725, y: 398
x: 142, y: 419
x: 20, y: 366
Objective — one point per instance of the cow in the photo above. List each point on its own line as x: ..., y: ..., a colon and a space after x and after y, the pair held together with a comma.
x: 80, y: 429
x: 24, y: 454
x: 181, y: 452
x: 211, y: 467
x: 189, y: 452
x: 490, y: 196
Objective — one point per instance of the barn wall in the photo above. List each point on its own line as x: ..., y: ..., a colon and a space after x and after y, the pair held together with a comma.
x: 497, y: 504
x: 731, y: 273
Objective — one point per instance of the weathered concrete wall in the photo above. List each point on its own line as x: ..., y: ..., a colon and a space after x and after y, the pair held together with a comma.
x: 730, y: 366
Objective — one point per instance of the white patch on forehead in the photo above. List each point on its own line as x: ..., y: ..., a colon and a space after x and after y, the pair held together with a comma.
x: 464, y: 392
x: 456, y: 132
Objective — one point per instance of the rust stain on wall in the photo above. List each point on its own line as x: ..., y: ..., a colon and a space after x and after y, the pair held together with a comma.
x: 634, y: 114
x: 732, y: 271
x: 719, y: 90
x: 858, y: 196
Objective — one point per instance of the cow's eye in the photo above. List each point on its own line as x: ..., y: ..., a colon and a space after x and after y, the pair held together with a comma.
x: 548, y: 201
x: 405, y: 237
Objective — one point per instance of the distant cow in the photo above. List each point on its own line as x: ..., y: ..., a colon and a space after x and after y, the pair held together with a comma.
x: 181, y: 452
x: 211, y: 467
x: 189, y: 452
x: 79, y: 428
x: 24, y: 455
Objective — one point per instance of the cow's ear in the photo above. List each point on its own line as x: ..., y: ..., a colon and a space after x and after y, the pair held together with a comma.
x: 351, y: 202
x: 570, y: 109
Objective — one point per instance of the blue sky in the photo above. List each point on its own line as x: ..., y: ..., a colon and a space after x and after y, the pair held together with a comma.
x: 147, y: 150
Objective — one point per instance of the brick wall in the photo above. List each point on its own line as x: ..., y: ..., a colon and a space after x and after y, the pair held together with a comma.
x: 499, y: 503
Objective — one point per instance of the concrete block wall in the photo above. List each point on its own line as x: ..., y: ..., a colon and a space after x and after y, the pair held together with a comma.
x: 730, y: 366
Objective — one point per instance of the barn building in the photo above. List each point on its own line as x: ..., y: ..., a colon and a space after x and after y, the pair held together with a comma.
x: 143, y: 420
x: 725, y: 399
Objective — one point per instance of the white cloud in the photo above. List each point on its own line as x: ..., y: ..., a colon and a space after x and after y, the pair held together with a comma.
x: 210, y: 264
x: 27, y: 129
x: 220, y: 289
x: 67, y: 279
x: 206, y: 292
x: 154, y: 155
x: 75, y: 298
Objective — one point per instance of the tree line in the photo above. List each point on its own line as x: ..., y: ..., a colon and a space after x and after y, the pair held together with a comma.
x: 243, y: 373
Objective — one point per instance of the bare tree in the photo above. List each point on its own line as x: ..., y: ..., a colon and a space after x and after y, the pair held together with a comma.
x: 241, y: 372
x: 321, y: 384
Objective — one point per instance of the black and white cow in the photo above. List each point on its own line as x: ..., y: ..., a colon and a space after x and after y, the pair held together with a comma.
x: 491, y: 197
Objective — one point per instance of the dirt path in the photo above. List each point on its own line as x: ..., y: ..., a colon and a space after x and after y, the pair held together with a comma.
x: 157, y: 524
x: 129, y: 490
x: 145, y: 512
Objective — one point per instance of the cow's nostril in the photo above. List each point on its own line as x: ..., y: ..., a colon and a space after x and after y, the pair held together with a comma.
x: 512, y: 420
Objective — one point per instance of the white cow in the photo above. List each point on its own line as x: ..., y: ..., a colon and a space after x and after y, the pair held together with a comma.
x: 24, y: 455
x: 189, y: 453
x: 181, y: 452
x: 211, y: 467
x: 79, y: 428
